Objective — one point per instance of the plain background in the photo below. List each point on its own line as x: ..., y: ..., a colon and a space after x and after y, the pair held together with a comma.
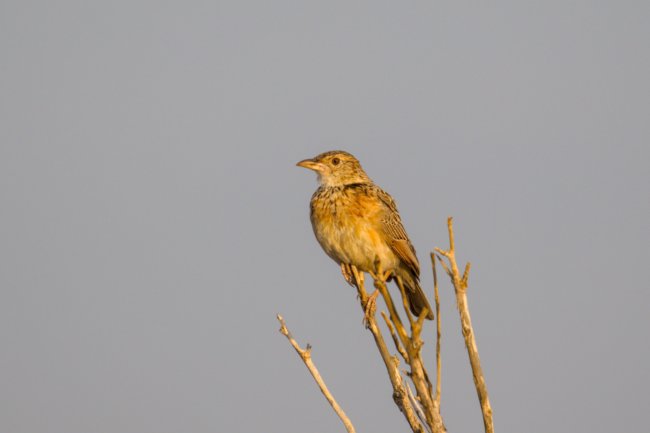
x: 153, y: 221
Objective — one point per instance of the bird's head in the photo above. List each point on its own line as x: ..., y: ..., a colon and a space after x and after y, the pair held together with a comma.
x: 336, y: 168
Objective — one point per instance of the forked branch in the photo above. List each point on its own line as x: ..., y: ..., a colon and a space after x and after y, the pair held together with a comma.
x: 400, y: 391
x: 410, y: 348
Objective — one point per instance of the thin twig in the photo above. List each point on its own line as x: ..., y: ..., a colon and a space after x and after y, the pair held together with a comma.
x: 405, y: 301
x: 305, y: 355
x: 417, y: 326
x: 418, y: 408
x: 465, y: 278
x: 438, y: 332
x: 442, y: 262
x: 460, y: 286
x: 392, y: 311
x: 398, y: 345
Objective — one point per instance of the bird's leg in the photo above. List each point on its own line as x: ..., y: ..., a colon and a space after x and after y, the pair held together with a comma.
x: 385, y: 276
x: 347, y: 273
x: 379, y: 273
x: 358, y: 276
x: 371, y: 303
x: 381, y: 276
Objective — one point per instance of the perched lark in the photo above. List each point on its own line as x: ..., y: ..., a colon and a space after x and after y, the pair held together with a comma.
x: 357, y: 223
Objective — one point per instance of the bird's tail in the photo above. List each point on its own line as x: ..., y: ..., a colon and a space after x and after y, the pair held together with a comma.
x: 416, y: 297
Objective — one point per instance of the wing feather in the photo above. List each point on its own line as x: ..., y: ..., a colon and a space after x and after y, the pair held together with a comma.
x: 394, y: 229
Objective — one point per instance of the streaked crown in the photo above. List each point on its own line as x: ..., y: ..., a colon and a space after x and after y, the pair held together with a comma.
x: 336, y: 168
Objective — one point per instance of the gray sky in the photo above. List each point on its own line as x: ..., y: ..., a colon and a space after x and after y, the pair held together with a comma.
x: 153, y: 221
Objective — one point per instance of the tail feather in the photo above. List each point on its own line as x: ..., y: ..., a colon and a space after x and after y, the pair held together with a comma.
x: 416, y: 297
x: 418, y: 301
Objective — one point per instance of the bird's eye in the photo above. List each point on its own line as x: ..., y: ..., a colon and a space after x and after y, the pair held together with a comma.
x: 335, y: 161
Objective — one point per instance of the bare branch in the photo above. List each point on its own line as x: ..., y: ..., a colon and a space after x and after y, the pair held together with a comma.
x: 405, y: 301
x: 394, y: 316
x: 416, y: 328
x: 465, y: 278
x: 418, y: 408
x: 305, y: 355
x: 400, y: 393
x: 398, y: 345
x: 442, y: 252
x: 412, y: 345
x: 438, y: 332
x: 442, y: 262
x: 460, y: 286
x: 450, y: 228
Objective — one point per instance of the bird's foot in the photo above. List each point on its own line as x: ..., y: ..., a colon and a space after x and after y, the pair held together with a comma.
x: 370, y: 307
x: 346, y: 270
x: 382, y: 276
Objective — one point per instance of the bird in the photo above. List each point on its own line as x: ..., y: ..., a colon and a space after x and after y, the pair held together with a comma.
x: 357, y: 224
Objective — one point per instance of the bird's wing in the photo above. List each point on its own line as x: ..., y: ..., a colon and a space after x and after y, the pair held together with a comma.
x: 397, y: 237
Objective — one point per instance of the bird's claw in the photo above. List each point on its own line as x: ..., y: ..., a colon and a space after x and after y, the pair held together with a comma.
x: 382, y: 276
x: 346, y: 270
x: 370, y: 307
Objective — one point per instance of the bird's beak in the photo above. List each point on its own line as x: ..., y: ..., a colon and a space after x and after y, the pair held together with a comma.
x: 310, y: 164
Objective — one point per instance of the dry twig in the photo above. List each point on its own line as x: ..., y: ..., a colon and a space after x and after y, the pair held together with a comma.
x: 418, y: 409
x: 400, y: 393
x: 412, y: 345
x: 438, y: 332
x: 460, y: 286
x: 305, y: 355
x: 398, y: 345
